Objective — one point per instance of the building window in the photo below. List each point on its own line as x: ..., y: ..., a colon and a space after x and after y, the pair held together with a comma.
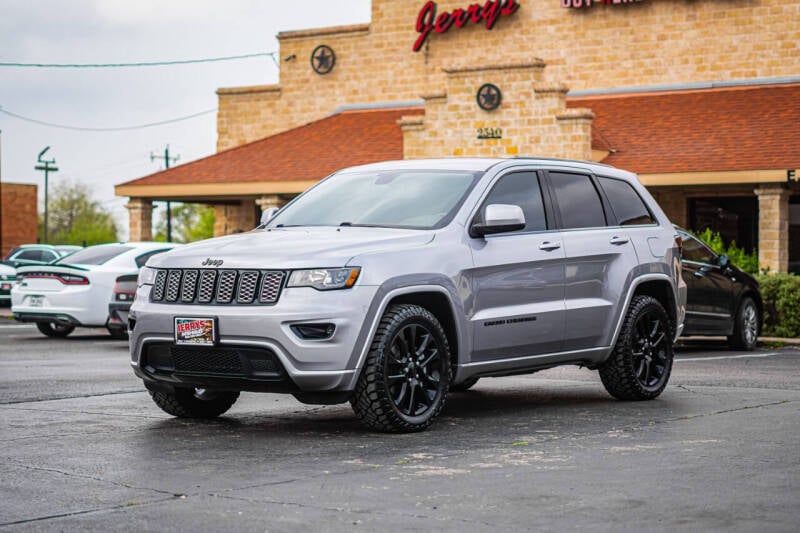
x: 794, y: 234
x: 734, y: 218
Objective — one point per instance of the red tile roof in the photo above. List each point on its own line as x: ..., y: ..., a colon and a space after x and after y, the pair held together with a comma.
x: 737, y: 128
x: 305, y: 153
x: 741, y: 128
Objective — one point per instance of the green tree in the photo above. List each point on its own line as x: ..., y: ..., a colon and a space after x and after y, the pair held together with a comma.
x: 738, y: 256
x: 190, y: 222
x: 74, y: 217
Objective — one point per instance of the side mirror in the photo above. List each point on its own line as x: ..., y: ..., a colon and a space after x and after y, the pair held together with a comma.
x: 267, y: 215
x: 499, y: 218
x: 723, y: 261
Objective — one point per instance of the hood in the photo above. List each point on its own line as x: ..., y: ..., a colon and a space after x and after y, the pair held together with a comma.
x: 290, y: 248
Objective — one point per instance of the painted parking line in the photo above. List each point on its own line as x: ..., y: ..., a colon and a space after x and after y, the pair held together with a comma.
x: 726, y: 357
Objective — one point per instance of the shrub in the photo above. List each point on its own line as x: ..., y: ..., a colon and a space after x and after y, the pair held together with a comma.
x: 781, y: 295
x: 738, y: 256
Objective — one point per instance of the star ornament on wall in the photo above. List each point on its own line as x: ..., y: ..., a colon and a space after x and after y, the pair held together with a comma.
x: 323, y: 59
x: 489, y: 97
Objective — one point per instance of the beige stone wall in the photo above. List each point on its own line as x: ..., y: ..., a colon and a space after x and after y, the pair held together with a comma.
x: 140, y: 214
x: 533, y: 118
x: 773, y: 228
x: 645, y: 43
x: 235, y: 217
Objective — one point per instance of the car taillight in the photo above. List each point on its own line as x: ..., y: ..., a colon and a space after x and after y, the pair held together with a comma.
x: 124, y: 291
x: 66, y: 279
x: 69, y: 279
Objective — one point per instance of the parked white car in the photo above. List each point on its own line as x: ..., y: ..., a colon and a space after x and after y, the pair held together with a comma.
x: 8, y: 276
x: 75, y: 290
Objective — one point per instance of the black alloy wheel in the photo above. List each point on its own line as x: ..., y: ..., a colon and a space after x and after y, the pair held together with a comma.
x: 413, y: 370
x: 641, y: 363
x: 650, y: 355
x: 405, y: 379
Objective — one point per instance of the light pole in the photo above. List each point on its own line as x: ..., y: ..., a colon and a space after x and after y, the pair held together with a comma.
x: 48, y: 167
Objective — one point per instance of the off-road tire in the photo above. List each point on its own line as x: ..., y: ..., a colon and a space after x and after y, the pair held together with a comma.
x: 622, y: 372
x: 190, y: 403
x: 745, y: 327
x: 372, y: 400
x: 464, y: 385
x: 55, y: 330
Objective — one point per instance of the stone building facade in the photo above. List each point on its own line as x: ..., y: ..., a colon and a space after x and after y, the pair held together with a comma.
x: 560, y: 71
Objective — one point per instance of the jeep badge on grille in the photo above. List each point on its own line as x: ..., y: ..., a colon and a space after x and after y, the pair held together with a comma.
x: 212, y: 262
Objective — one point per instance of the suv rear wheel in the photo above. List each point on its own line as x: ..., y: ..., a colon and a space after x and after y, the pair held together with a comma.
x: 195, y: 403
x: 404, y: 383
x: 640, y: 365
x: 54, y: 329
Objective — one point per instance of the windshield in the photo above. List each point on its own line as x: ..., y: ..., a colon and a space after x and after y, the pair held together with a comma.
x: 416, y: 199
x: 95, y: 255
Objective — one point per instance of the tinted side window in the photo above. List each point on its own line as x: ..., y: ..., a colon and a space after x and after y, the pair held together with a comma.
x: 626, y: 203
x: 694, y: 250
x: 578, y: 201
x: 49, y: 256
x: 30, y: 255
x: 142, y: 259
x: 522, y: 189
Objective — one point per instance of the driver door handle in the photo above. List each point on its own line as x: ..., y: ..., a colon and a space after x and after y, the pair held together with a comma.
x: 550, y: 246
x: 619, y: 240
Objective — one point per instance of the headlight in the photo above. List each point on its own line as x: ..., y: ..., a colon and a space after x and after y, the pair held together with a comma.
x: 324, y: 279
x: 147, y: 276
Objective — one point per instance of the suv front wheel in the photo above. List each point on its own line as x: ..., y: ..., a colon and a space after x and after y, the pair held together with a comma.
x: 403, y: 385
x: 640, y: 365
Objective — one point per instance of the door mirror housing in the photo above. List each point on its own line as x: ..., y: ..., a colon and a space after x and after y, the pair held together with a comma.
x: 267, y: 215
x: 499, y: 218
x: 723, y: 261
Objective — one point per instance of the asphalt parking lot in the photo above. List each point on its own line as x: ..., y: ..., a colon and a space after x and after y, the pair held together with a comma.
x: 83, y: 447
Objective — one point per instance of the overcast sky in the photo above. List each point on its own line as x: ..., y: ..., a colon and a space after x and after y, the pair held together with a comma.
x: 116, y: 31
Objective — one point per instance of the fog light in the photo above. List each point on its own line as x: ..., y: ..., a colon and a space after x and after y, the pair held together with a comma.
x: 314, y: 332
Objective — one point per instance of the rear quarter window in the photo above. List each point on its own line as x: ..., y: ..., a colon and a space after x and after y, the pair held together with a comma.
x: 96, y: 255
x: 626, y: 203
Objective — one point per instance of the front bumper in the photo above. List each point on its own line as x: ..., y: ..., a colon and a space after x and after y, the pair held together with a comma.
x: 302, y: 365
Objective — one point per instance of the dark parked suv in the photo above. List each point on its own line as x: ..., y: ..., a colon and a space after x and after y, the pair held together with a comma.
x: 387, y: 285
x: 721, y: 300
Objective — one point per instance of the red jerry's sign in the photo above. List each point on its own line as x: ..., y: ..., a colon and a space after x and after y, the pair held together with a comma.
x: 428, y: 21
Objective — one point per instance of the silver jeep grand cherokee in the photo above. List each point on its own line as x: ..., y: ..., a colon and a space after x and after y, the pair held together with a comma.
x: 388, y: 285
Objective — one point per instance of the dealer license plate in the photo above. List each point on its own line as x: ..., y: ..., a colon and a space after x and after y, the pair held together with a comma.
x: 195, y: 331
x: 36, y: 301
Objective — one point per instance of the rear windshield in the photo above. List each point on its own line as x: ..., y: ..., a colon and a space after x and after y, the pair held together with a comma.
x: 95, y: 255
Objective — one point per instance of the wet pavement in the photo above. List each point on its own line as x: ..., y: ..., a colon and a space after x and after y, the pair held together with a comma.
x: 84, y: 447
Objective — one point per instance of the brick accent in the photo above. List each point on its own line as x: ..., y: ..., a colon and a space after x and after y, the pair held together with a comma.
x: 773, y: 228
x: 533, y: 116
x: 19, y: 214
x: 140, y: 213
x: 234, y: 218
x: 641, y: 44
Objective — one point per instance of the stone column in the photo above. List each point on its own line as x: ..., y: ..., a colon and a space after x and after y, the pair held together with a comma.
x: 234, y: 218
x: 773, y: 228
x: 140, y: 213
x: 269, y: 201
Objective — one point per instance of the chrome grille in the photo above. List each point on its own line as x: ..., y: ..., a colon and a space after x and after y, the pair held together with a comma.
x: 225, y: 286
x: 206, y: 292
x: 247, y: 287
x: 173, y: 285
x: 208, y: 286
x: 158, y: 286
x: 189, y: 285
x: 271, y: 285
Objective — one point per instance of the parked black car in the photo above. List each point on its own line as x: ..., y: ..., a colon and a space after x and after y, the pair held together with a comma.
x: 721, y: 300
x: 120, y: 304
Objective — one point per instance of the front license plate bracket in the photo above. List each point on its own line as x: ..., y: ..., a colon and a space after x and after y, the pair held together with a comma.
x: 196, y: 331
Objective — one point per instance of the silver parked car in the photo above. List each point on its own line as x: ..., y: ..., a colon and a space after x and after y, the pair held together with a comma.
x: 388, y: 285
